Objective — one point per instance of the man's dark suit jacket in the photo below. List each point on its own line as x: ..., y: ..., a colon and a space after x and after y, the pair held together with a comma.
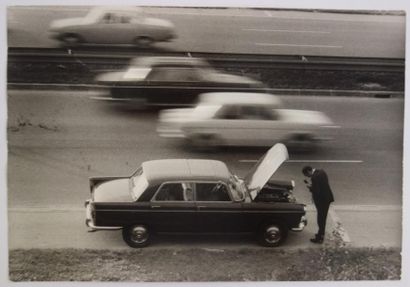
x: 321, y: 192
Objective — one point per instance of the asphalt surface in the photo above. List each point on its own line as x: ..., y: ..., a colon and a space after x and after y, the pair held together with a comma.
x: 241, y: 31
x: 57, y: 140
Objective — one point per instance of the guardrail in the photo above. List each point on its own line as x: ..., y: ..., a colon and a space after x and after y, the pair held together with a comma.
x: 120, y: 57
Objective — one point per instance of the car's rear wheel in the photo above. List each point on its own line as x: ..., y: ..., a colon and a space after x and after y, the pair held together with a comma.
x: 136, y: 236
x: 143, y: 42
x: 272, y: 235
x: 71, y: 40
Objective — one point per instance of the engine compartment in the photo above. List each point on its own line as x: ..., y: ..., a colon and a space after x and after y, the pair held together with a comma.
x: 277, y: 191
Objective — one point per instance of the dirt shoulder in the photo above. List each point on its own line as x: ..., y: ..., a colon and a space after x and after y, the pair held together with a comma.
x: 200, y: 264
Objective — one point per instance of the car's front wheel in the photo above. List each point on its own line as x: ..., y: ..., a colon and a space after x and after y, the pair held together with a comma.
x: 136, y: 236
x: 272, y: 235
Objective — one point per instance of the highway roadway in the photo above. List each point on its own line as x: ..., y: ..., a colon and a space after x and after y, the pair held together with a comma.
x: 241, y: 31
x: 58, y: 139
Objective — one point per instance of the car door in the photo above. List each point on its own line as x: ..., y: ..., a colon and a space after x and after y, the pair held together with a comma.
x: 249, y: 125
x: 173, y: 85
x: 216, y: 210
x: 173, y: 208
x: 111, y: 28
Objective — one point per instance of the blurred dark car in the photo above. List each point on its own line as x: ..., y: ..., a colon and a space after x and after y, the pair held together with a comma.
x: 171, y: 81
x: 112, y: 25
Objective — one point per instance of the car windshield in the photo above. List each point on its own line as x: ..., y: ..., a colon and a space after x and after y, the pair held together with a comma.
x: 94, y: 15
x: 237, y: 187
x: 136, y: 73
x: 205, y: 111
x: 138, y: 184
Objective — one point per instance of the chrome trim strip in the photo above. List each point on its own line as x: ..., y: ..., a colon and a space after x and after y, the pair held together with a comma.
x: 90, y: 223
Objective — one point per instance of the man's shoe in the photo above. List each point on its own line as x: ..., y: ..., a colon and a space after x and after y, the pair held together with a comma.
x: 317, y: 240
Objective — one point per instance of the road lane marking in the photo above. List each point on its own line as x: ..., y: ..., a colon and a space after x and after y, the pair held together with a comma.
x: 312, y: 160
x: 332, y: 127
x: 287, y: 31
x: 367, y: 207
x: 299, y: 45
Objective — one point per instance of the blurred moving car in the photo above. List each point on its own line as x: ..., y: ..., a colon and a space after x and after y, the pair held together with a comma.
x: 171, y: 81
x: 196, y: 196
x: 112, y: 25
x: 243, y: 119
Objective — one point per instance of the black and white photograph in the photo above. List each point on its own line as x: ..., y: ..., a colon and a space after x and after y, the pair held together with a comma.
x: 210, y: 142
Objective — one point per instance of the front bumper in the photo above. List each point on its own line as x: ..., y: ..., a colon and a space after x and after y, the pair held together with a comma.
x: 302, y: 224
x: 169, y: 130
x: 89, y: 220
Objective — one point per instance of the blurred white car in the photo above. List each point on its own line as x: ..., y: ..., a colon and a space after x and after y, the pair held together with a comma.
x: 243, y: 119
x: 112, y: 25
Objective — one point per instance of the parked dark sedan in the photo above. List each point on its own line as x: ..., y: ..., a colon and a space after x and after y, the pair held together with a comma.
x: 198, y: 196
x: 171, y: 81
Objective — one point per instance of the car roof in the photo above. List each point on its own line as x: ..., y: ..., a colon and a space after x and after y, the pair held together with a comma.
x: 238, y: 98
x: 155, y: 61
x: 158, y: 171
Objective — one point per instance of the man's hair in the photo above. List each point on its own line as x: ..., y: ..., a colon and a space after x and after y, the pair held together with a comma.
x: 306, y: 170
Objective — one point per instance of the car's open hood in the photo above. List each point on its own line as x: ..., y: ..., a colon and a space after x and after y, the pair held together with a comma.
x: 266, y: 167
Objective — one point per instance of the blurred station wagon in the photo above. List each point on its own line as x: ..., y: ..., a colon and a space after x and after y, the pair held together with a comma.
x: 244, y: 119
x: 196, y: 196
x: 171, y: 81
x: 111, y: 26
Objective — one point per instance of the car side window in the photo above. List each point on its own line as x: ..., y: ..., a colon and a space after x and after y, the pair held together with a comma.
x: 227, y: 113
x: 255, y: 113
x: 215, y: 191
x: 175, y: 192
x: 170, y: 192
x: 173, y: 74
x: 111, y: 18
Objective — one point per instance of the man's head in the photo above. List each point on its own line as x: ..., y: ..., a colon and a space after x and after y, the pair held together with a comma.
x: 307, y: 171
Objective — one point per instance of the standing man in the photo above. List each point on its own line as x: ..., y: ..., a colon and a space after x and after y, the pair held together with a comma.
x: 322, y: 197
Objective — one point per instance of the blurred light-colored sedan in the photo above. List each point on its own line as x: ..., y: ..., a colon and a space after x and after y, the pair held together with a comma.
x: 244, y: 119
x: 112, y: 25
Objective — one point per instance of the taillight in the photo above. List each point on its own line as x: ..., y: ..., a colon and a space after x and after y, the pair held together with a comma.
x: 93, y: 212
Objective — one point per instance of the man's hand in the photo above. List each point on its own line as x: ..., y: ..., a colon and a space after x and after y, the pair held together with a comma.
x: 308, y: 185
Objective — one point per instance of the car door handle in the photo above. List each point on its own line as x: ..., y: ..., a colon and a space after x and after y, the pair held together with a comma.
x: 155, y: 206
x: 201, y: 206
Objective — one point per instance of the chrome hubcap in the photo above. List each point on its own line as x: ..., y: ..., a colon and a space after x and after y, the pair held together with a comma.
x: 272, y: 234
x: 139, y: 234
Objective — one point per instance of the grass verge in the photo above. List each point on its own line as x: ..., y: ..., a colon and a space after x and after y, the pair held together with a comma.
x: 200, y: 264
